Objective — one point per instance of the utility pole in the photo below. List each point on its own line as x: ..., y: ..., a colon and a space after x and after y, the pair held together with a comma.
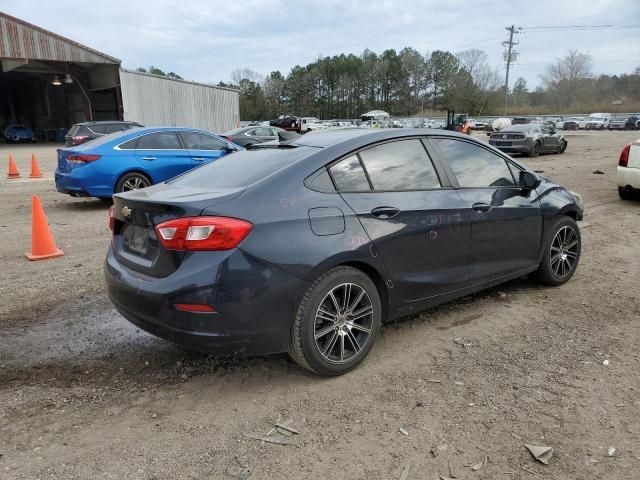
x: 510, y: 56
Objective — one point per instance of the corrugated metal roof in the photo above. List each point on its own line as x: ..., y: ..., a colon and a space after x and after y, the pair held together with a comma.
x: 22, y: 40
x: 159, y: 101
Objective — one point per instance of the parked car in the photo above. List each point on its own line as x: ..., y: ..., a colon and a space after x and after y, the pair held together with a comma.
x: 569, y: 123
x: 628, y: 123
x: 252, y: 134
x: 531, y: 139
x: 628, y: 174
x: 16, y: 133
x: 134, y: 159
x: 306, y: 247
x: 288, y: 122
x: 86, y: 131
x: 476, y: 124
x: 596, y: 123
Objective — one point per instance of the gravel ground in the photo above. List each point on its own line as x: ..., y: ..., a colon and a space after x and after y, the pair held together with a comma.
x: 84, y: 394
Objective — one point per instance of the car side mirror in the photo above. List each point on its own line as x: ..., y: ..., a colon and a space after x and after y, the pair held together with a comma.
x: 528, y: 180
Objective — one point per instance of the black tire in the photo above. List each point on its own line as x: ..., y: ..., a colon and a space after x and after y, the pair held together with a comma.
x: 627, y: 194
x: 128, y: 181
x: 559, y: 263
x: 309, y: 345
x: 562, y: 147
x: 535, y: 150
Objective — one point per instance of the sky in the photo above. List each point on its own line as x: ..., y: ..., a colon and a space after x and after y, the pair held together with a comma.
x: 206, y: 40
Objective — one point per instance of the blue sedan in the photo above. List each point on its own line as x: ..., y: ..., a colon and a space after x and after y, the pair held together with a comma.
x: 134, y: 159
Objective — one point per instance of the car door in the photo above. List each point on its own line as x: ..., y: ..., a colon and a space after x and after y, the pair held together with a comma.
x: 202, y: 147
x: 506, y: 224
x: 550, y: 142
x: 161, y: 154
x: 415, y: 219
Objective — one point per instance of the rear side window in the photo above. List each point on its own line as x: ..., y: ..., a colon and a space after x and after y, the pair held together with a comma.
x: 130, y: 145
x: 159, y: 141
x: 349, y: 175
x: 99, y: 129
x: 242, y: 168
x: 400, y: 165
x: 474, y: 166
x: 201, y: 141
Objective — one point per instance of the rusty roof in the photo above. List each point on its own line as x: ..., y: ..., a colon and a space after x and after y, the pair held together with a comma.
x: 23, y: 40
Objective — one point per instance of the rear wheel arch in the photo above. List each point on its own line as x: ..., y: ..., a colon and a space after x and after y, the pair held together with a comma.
x: 377, y: 279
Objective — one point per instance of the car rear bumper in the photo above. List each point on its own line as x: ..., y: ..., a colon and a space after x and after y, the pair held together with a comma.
x: 255, y: 302
x: 514, y: 148
x: 628, y: 178
x: 79, y: 183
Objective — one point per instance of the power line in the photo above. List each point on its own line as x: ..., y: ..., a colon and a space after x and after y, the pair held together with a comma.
x: 564, y: 28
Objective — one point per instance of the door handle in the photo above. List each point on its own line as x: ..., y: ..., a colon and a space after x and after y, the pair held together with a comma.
x: 481, y: 207
x: 148, y: 158
x: 199, y: 159
x: 385, y: 212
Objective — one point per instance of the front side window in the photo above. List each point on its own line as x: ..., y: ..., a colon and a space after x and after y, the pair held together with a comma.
x: 349, y: 175
x: 474, y: 166
x: 202, y: 141
x: 159, y: 141
x: 400, y: 165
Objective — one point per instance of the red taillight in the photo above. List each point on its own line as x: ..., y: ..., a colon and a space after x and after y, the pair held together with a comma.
x: 79, y: 138
x: 202, y: 233
x: 112, y: 218
x: 624, y: 155
x: 228, y: 138
x: 194, y: 307
x: 83, y: 158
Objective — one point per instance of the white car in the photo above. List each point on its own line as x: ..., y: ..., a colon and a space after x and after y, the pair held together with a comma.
x: 628, y: 176
x: 596, y: 123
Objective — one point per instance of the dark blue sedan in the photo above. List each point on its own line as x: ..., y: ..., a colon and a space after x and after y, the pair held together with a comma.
x: 135, y: 158
x: 306, y: 246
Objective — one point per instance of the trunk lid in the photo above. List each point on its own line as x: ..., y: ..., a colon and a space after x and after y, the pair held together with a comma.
x: 136, y: 214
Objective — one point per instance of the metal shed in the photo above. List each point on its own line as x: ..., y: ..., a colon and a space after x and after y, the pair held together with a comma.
x: 154, y: 100
x: 49, y: 82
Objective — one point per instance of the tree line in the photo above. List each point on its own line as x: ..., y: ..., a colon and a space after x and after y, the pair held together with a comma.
x: 409, y: 83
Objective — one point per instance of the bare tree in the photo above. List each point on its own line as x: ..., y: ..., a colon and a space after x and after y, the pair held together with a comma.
x: 240, y: 74
x: 566, y: 76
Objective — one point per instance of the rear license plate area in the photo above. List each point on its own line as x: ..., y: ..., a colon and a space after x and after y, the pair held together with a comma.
x: 135, y: 239
x: 503, y: 144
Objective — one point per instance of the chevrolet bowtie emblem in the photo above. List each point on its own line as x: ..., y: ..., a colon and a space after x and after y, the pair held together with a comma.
x: 126, y: 211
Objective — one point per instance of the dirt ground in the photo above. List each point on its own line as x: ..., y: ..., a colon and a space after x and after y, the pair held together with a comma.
x: 84, y: 394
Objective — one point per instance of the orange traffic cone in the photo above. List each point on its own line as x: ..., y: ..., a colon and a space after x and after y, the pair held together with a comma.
x: 42, y: 244
x: 13, y: 170
x: 35, y: 168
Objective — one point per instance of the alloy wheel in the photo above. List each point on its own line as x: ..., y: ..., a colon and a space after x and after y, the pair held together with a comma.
x: 564, y: 252
x: 134, y: 183
x: 343, y: 323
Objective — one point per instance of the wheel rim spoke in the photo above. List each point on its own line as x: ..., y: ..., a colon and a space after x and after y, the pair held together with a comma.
x: 331, y: 344
x: 325, y: 331
x: 564, y: 251
x: 360, y: 314
x: 358, y: 327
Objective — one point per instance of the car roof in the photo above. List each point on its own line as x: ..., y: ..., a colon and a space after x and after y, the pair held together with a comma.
x: 104, y: 122
x: 355, y: 135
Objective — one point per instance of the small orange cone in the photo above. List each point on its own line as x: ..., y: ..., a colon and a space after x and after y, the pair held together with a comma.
x: 35, y: 168
x: 13, y: 170
x: 42, y: 244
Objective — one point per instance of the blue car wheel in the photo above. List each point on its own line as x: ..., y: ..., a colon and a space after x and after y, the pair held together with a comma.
x: 132, y: 181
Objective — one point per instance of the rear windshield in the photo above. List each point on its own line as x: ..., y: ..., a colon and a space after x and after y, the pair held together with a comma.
x: 242, y: 168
